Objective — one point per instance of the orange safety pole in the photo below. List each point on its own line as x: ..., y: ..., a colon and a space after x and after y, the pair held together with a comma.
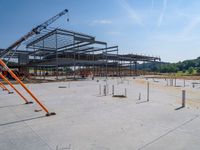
x: 6, y: 80
x: 24, y: 86
x: 2, y: 86
x: 5, y: 88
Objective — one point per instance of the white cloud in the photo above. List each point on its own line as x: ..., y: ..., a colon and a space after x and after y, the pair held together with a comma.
x: 160, y: 19
x: 191, y: 26
x: 103, y: 21
x: 131, y: 12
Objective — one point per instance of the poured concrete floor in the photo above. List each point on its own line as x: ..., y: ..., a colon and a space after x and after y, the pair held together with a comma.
x: 88, y: 120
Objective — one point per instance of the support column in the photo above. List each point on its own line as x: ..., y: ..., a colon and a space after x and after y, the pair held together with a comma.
x: 136, y: 68
x: 56, y: 56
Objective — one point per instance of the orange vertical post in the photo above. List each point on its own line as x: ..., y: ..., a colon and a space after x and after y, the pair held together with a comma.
x: 27, y: 90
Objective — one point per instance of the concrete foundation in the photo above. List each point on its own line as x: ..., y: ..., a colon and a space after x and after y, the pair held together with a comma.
x: 87, y: 121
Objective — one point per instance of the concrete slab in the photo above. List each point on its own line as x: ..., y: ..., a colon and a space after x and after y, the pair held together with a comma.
x: 90, y: 121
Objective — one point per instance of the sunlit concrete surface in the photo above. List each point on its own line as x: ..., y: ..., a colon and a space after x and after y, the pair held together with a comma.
x: 87, y: 120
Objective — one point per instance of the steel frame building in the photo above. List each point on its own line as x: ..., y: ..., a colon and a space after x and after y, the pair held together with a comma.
x: 57, y: 48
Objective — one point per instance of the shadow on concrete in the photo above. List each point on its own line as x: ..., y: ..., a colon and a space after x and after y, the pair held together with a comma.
x: 7, y: 106
x: 119, y: 96
x: 179, y: 108
x: 19, y: 121
x: 142, y: 102
x: 178, y: 86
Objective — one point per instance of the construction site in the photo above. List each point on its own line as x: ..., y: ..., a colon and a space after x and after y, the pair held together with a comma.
x: 67, y: 90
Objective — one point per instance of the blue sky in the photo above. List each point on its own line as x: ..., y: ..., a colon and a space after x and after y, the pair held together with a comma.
x: 166, y: 28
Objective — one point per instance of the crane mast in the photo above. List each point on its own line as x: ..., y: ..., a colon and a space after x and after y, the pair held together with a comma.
x: 34, y: 31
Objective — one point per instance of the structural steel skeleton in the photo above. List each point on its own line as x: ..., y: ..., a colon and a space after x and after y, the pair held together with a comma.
x: 58, y: 48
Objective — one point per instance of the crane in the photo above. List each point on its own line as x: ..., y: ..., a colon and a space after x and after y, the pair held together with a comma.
x: 34, y: 31
x: 16, y: 44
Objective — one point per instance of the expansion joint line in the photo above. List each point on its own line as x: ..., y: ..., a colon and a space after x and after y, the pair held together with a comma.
x: 168, y: 132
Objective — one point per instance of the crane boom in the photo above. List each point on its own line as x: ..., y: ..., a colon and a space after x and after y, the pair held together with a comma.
x: 35, y: 30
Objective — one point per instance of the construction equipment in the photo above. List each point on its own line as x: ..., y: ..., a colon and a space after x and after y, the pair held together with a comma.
x: 34, y: 31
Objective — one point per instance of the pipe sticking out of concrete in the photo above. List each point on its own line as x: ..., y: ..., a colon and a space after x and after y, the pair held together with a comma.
x: 171, y: 82
x: 104, y: 90
x: 113, y: 90
x: 183, y: 98
x: 147, y: 91
x: 99, y: 89
x: 175, y: 82
x: 107, y: 89
x: 139, y: 98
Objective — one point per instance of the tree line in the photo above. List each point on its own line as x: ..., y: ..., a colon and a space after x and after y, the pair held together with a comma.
x: 185, y: 67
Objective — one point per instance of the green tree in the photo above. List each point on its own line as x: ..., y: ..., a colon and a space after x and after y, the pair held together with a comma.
x: 190, y: 70
x: 198, y: 69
